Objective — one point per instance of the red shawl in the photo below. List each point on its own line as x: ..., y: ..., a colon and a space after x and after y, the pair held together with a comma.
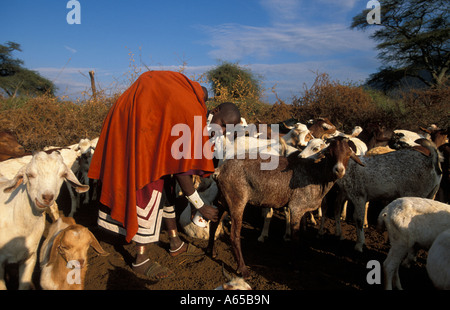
x: 134, y: 148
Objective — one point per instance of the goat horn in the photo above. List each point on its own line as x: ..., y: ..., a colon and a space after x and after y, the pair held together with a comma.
x: 288, y: 127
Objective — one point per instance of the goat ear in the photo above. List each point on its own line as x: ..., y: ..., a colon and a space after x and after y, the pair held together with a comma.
x: 55, y: 247
x: 18, y: 179
x: 73, y: 181
x: 356, y: 159
x: 422, y: 150
x: 425, y: 130
x: 96, y: 245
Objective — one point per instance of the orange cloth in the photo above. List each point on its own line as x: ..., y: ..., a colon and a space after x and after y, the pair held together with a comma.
x: 134, y: 146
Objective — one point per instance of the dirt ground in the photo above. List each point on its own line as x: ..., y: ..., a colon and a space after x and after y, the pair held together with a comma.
x: 325, y: 263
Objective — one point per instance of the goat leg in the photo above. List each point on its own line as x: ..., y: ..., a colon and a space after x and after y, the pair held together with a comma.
x: 211, y: 249
x: 235, y: 236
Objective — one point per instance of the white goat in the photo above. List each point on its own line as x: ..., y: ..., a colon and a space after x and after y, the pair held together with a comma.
x: 85, y: 149
x: 23, y: 201
x: 438, y: 261
x: 298, y: 136
x: 78, y: 158
x: 66, y: 247
x: 410, y: 222
x: 313, y: 147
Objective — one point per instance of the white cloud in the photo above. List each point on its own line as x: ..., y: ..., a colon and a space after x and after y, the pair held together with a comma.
x: 70, y: 49
x: 235, y: 41
x: 282, y: 9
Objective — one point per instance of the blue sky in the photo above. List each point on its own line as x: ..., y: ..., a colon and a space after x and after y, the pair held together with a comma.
x: 284, y: 41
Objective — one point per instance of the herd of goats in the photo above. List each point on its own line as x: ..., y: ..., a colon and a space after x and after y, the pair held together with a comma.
x: 407, y: 171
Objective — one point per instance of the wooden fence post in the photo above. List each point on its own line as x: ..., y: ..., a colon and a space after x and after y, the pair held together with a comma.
x: 94, y: 91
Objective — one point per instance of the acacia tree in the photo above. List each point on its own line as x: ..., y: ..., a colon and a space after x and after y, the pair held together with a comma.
x: 413, y: 38
x: 16, y: 79
x: 232, y: 80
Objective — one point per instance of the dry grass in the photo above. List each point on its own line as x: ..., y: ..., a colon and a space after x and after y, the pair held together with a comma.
x: 43, y: 121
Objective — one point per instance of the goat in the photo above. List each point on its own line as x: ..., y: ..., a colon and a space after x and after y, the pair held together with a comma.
x: 298, y: 136
x: 411, y: 222
x: 406, y: 172
x: 321, y: 128
x: 9, y: 146
x: 78, y: 157
x: 65, y: 247
x: 23, y: 201
x: 70, y: 155
x: 85, y: 148
x: 438, y: 261
x: 375, y: 134
x: 248, y: 144
x: 299, y: 183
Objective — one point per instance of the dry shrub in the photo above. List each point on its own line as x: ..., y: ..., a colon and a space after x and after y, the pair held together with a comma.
x: 427, y: 106
x: 47, y: 121
x: 277, y: 113
x: 345, y: 105
x: 348, y: 105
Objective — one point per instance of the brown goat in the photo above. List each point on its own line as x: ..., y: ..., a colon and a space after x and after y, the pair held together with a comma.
x: 66, y: 247
x: 299, y: 183
x: 321, y: 128
x: 376, y: 134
